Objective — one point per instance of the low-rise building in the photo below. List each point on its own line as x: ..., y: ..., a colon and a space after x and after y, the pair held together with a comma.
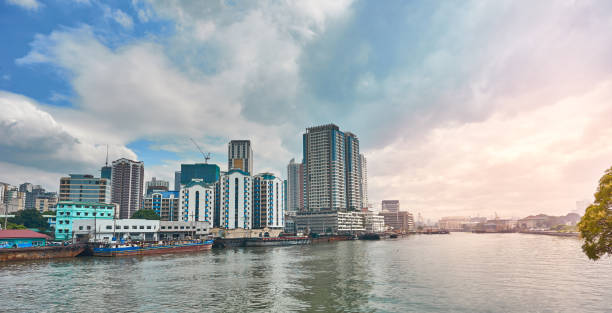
x: 67, y: 212
x: 22, y: 238
x: 138, y: 229
x: 400, y: 221
x: 373, y: 222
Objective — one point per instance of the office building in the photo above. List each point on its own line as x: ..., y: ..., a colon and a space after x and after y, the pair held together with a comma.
x: 67, y: 212
x: 127, y: 185
x: 177, y: 181
x: 197, y: 201
x: 390, y: 206
x: 155, y: 185
x: 295, y: 186
x: 207, y: 173
x: 363, y: 181
x: 268, y: 201
x: 165, y: 203
x: 240, y: 156
x: 84, y: 188
x: 31, y: 192
x: 106, y: 172
x: 236, y: 189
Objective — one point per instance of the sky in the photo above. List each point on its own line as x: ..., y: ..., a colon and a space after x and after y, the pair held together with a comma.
x: 461, y: 107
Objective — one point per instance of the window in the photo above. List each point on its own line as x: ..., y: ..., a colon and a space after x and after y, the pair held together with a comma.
x: 78, y: 213
x: 141, y: 226
x: 149, y: 227
x: 88, y: 227
x: 163, y: 227
x: 109, y: 227
x: 126, y: 227
x: 182, y: 227
x: 134, y: 227
x: 80, y: 227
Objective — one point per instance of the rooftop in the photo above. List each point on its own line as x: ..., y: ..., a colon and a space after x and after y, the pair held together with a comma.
x: 21, y: 233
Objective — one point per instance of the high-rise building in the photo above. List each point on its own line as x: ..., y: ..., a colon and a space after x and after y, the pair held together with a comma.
x: 177, y: 180
x: 295, y: 186
x: 197, y: 201
x: 127, y: 185
x: 390, y: 206
x: 208, y: 173
x: 165, y: 203
x: 268, y: 201
x: 84, y: 188
x: 13, y: 200
x: 240, y: 156
x: 353, y: 177
x: 363, y: 181
x: 31, y: 192
x: 106, y: 172
x: 331, y: 169
x: 46, y: 202
x: 155, y: 185
x: 236, y: 189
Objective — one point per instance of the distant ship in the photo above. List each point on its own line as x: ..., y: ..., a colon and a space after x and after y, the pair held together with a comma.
x: 129, y: 249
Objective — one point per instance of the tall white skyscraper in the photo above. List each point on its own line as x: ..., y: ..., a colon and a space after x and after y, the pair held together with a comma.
x: 295, y: 186
x: 268, y: 201
x: 240, y: 156
x: 363, y: 180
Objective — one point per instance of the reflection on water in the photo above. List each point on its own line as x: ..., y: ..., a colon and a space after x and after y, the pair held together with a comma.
x: 437, y: 273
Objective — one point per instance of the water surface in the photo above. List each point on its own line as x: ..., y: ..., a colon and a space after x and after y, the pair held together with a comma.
x: 435, y: 273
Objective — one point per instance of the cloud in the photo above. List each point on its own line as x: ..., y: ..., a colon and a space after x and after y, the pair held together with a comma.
x: 31, y: 5
x: 31, y: 137
x: 118, y: 16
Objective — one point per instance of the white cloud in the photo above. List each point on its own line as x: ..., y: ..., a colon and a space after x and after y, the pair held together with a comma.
x: 118, y: 16
x: 26, y: 4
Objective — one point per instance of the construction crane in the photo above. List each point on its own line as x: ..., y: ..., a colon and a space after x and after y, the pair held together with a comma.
x: 206, y: 155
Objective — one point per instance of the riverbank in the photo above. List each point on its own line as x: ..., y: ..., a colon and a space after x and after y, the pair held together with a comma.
x: 551, y: 233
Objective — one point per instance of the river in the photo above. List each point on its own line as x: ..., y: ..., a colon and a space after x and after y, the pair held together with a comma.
x: 460, y: 272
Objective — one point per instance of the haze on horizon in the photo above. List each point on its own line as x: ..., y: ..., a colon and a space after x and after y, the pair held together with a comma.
x: 461, y: 107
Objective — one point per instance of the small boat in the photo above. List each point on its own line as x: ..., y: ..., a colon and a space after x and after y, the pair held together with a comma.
x: 141, y: 248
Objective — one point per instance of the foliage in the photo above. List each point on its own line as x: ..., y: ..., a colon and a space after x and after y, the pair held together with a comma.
x: 30, y: 218
x: 48, y: 213
x: 15, y: 226
x: 146, y: 215
x: 596, y: 224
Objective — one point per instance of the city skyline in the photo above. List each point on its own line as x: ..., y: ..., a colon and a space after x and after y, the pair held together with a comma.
x: 467, y: 122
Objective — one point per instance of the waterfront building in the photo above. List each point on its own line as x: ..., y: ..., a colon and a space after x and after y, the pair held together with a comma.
x: 155, y: 185
x: 127, y: 185
x: 177, y: 180
x: 363, y: 181
x: 391, y: 206
x: 373, y: 222
x: 352, y: 170
x: 329, y: 222
x: 138, y: 229
x: 68, y: 211
x: 268, y: 201
x: 84, y: 188
x: 46, y: 202
x: 454, y: 223
x: 165, y: 203
x: 295, y: 186
x: 197, y: 201
x: 236, y: 190
x: 22, y: 238
x: 350, y: 222
x: 324, y: 168
x: 208, y: 173
x: 240, y: 156
x: 401, y: 221
x: 290, y: 222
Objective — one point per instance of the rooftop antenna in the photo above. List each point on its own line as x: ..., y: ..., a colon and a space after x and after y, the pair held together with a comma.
x: 206, y: 155
x: 106, y: 154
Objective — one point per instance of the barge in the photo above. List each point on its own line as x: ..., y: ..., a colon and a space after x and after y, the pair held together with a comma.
x: 39, y: 253
x: 130, y: 249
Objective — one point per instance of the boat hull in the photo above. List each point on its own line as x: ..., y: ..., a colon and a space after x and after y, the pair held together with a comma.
x: 270, y: 242
x: 149, y: 250
x: 38, y: 253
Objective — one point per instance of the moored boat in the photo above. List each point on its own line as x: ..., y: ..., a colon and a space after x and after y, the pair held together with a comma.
x: 129, y: 249
x: 277, y: 241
